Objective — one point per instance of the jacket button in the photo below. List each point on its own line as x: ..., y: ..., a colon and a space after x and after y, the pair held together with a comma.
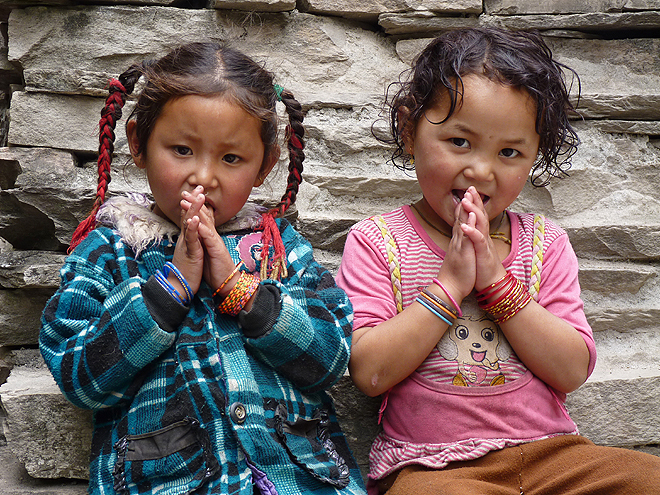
x: 237, y: 413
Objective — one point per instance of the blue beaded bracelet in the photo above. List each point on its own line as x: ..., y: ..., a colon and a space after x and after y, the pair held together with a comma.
x: 170, y: 268
x: 161, y: 277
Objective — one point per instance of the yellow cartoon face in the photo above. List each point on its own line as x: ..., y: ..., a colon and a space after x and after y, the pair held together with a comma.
x: 476, y: 342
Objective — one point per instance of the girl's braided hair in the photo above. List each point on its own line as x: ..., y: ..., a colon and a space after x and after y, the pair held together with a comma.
x: 514, y: 58
x: 201, y: 69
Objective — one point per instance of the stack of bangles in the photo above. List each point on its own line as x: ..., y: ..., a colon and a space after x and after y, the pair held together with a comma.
x: 504, y: 298
x: 239, y: 295
x: 439, y: 307
x: 161, y: 277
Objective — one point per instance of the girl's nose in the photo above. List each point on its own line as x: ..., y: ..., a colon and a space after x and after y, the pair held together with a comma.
x: 204, y: 175
x: 480, y: 169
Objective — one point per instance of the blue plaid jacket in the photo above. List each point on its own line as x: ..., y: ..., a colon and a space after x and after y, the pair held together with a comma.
x: 201, y: 407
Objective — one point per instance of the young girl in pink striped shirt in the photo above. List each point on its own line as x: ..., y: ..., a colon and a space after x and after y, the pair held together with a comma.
x: 468, y: 317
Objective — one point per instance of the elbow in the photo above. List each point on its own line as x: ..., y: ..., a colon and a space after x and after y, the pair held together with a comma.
x: 571, y: 385
x: 368, y: 383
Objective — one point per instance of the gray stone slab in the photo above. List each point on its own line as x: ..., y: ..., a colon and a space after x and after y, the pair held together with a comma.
x: 15, y: 480
x: 59, y: 121
x: 65, y: 3
x: 562, y: 7
x: 20, y: 319
x: 254, y: 5
x: 591, y: 23
x: 615, y: 278
x: 422, y: 22
x: 30, y: 269
x: 426, y: 22
x: 46, y: 189
x: 618, y: 412
x: 318, y: 58
x: 369, y: 10
x: 46, y: 432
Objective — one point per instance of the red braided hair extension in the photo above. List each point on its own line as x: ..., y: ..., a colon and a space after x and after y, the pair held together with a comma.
x: 110, y: 114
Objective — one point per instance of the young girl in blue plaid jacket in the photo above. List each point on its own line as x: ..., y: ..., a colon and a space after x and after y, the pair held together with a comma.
x: 198, y: 327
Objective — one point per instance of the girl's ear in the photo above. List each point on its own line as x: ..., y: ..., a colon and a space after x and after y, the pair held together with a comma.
x: 133, y: 143
x: 406, y: 129
x: 269, y: 163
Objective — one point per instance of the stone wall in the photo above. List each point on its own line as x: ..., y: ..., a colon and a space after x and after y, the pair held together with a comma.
x: 337, y: 57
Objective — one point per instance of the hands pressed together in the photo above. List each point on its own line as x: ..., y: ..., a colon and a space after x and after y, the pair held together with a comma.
x: 200, y: 253
x: 471, y: 262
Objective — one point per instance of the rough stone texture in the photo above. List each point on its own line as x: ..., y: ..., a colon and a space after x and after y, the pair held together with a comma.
x: 636, y: 423
x: 338, y: 58
x: 254, y: 5
x: 21, y: 313
x: 45, y: 431
x: 562, y: 7
x: 369, y: 10
x: 427, y: 22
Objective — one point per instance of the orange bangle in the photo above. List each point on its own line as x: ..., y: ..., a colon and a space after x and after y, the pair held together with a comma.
x: 231, y: 275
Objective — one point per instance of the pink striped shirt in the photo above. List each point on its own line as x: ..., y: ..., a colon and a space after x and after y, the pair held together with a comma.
x: 447, y: 409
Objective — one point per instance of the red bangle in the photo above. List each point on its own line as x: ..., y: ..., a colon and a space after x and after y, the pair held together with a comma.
x: 451, y: 298
x: 494, y: 287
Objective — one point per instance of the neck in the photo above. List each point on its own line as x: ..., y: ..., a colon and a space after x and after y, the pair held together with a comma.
x: 431, y: 218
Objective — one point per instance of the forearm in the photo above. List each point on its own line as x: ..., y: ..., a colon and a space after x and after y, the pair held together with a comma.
x: 309, y: 341
x: 550, y: 347
x: 386, y: 354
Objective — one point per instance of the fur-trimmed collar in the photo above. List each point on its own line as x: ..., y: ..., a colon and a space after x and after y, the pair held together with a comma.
x: 132, y: 216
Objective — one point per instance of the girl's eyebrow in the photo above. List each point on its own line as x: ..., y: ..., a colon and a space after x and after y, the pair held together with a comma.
x: 465, y: 129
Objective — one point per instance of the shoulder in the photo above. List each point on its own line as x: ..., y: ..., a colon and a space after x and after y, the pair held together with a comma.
x: 544, y: 227
x: 374, y: 225
x: 99, y: 240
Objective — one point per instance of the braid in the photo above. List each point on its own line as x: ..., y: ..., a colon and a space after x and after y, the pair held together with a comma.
x: 294, y: 134
x: 295, y: 144
x: 119, y: 89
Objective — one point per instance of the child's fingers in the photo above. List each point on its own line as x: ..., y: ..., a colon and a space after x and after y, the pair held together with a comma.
x: 472, y: 203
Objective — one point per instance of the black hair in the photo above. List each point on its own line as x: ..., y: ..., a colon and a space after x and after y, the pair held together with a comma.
x: 515, y: 58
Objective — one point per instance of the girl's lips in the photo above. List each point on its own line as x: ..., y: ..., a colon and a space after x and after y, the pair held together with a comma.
x: 209, y: 204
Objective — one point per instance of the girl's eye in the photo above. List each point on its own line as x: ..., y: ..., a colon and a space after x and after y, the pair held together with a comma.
x: 460, y: 142
x: 509, y: 153
x: 182, y: 150
x: 230, y: 158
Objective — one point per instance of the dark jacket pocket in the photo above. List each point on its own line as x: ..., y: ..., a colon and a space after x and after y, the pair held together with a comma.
x: 176, y: 459
x: 308, y: 444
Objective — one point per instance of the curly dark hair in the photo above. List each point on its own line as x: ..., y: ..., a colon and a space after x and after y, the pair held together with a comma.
x: 514, y: 58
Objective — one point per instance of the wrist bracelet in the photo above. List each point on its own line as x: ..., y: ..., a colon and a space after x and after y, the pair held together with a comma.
x: 440, y: 303
x: 451, y: 298
x: 513, y: 297
x: 240, y: 294
x: 165, y: 284
x: 231, y: 275
x: 168, y: 268
x: 424, y: 302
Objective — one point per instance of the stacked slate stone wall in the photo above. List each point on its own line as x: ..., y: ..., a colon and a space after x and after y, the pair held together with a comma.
x: 337, y: 56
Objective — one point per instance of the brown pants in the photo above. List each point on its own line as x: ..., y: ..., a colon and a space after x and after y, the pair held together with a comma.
x: 565, y: 465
